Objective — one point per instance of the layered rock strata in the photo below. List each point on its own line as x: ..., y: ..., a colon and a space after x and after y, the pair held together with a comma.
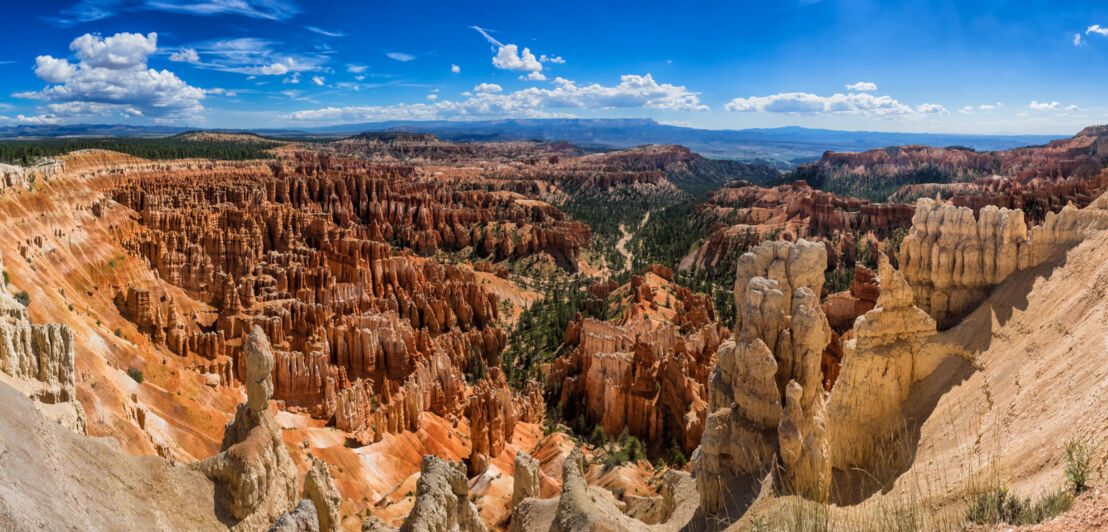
x: 323, y: 253
x: 639, y: 373
x: 952, y: 258
x: 38, y: 359
x: 765, y: 394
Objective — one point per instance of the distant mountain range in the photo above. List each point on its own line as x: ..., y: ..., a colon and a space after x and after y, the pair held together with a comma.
x: 784, y: 147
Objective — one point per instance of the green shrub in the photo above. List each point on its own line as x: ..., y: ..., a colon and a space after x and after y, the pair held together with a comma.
x: 998, y: 505
x: 135, y: 374
x: 599, y: 437
x: 118, y: 333
x: 23, y: 298
x: 1078, y: 469
x: 7, y: 279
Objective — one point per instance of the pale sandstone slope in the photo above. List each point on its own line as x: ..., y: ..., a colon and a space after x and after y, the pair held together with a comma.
x: 54, y: 479
x: 1037, y: 376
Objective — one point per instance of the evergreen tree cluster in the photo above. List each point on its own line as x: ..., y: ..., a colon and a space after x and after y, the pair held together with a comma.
x: 29, y: 152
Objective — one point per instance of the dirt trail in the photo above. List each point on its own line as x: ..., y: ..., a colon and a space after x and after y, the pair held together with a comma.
x: 621, y: 245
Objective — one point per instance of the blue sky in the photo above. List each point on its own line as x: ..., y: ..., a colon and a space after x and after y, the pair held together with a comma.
x: 970, y: 67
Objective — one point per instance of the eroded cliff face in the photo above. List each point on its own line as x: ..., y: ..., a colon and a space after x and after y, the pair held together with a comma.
x: 952, y: 258
x: 38, y: 359
x: 880, y: 365
x: 744, y: 214
x: 765, y: 394
x: 1004, y: 178
x: 646, y: 370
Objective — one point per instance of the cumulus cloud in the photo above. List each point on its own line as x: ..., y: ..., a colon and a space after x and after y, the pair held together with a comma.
x: 400, y: 56
x: 455, y: 69
x: 293, y: 79
x: 862, y: 86
x: 632, y: 91
x: 842, y: 104
x: 185, y: 55
x: 118, y: 52
x: 508, y: 57
x: 432, y: 97
x: 318, y: 80
x: 1095, y: 28
x: 551, y: 59
x: 488, y: 87
x: 533, y: 76
x: 1045, y: 106
x: 983, y: 107
x: 112, y: 76
x: 1077, y: 39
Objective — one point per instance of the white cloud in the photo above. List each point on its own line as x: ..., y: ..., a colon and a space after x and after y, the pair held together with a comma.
x: 931, y: 109
x: 112, y: 77
x: 862, y: 86
x: 264, y: 9
x: 356, y: 69
x: 1077, y: 39
x: 551, y: 59
x: 53, y: 70
x: 400, y: 56
x: 455, y: 69
x: 508, y: 57
x: 185, y: 55
x: 533, y: 76
x: 318, y: 80
x: 969, y: 109
x: 488, y: 87
x: 252, y: 56
x: 93, y: 10
x: 325, y: 32
x: 359, y: 77
x: 485, y: 33
x: 842, y: 104
x: 276, y: 69
x: 432, y: 97
x: 1045, y: 106
x: 293, y: 79
x: 119, y: 52
x: 1095, y: 28
x: 632, y: 91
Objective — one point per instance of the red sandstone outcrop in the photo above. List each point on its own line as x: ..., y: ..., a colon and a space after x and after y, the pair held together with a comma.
x: 639, y: 373
x: 745, y: 214
x: 1065, y: 170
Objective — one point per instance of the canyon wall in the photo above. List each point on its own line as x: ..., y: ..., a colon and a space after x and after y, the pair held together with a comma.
x: 952, y: 258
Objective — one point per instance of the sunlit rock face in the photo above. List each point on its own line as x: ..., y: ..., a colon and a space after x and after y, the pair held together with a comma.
x: 765, y: 394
